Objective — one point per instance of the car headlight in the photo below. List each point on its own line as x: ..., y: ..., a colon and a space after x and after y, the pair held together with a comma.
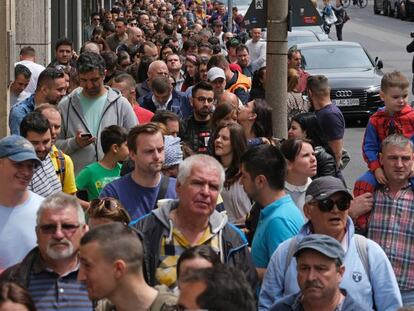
x: 374, y: 89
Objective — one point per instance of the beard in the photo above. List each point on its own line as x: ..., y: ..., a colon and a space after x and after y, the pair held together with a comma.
x: 59, y: 253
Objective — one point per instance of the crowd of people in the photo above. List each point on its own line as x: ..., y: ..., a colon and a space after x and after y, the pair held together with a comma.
x: 142, y: 173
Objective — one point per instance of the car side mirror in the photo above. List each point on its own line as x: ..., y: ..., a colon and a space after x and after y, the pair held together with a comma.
x: 378, y: 63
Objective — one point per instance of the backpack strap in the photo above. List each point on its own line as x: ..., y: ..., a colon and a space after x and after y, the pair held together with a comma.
x: 165, y: 180
x: 293, y: 244
x: 362, y: 249
x: 61, y: 165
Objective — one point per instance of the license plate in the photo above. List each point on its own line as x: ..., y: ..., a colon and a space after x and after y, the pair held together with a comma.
x: 344, y: 102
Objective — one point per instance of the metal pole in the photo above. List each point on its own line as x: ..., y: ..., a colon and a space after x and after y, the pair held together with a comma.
x: 276, y: 64
x: 65, y: 18
x: 230, y: 16
x: 79, y: 24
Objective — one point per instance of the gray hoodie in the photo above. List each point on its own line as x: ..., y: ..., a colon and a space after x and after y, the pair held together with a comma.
x: 117, y: 111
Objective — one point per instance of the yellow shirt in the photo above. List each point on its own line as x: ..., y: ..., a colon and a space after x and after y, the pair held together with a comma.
x: 68, y: 184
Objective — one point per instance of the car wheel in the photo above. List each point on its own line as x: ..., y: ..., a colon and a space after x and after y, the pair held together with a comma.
x: 376, y: 11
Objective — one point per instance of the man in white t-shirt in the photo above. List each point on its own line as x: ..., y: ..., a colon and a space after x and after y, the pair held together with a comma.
x: 257, y: 49
x: 28, y: 59
x: 18, y: 206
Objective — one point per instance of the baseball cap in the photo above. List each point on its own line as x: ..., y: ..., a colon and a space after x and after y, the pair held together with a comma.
x: 18, y: 149
x: 215, y: 73
x: 323, y: 187
x: 323, y: 244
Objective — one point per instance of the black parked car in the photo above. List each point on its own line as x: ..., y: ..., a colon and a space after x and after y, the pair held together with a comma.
x: 354, y: 77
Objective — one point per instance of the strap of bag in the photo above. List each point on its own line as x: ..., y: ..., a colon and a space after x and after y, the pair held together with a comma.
x: 362, y: 249
x: 61, y: 165
x: 165, y: 180
x: 292, y: 248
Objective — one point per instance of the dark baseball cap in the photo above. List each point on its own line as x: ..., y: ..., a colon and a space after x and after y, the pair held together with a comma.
x: 323, y: 187
x: 323, y: 244
x: 18, y: 149
x: 233, y: 42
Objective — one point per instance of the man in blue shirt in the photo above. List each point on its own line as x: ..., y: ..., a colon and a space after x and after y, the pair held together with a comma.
x: 140, y: 190
x: 51, y: 87
x: 263, y: 178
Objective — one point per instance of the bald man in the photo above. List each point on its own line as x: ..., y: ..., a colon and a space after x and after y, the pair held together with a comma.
x: 156, y: 69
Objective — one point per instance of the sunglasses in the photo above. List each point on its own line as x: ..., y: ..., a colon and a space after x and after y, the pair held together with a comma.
x: 67, y: 229
x: 327, y: 205
x: 108, y: 203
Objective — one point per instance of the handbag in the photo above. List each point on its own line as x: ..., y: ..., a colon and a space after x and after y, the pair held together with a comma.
x: 331, y: 19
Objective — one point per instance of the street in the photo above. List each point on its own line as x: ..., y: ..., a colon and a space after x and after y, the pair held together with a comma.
x: 386, y: 38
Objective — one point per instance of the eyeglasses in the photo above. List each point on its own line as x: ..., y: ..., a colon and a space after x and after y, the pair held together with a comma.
x: 203, y: 99
x: 327, y: 205
x: 133, y: 24
x: 67, y: 229
x: 108, y: 203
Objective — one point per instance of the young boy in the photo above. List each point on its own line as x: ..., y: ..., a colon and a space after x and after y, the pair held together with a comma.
x: 95, y: 176
x: 396, y: 117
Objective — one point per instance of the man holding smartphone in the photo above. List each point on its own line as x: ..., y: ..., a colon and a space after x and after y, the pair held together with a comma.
x: 87, y: 111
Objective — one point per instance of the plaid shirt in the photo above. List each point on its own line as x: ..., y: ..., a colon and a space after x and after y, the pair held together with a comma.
x: 391, y: 226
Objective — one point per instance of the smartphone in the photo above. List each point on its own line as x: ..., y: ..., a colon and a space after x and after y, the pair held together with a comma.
x: 87, y: 135
x: 412, y: 34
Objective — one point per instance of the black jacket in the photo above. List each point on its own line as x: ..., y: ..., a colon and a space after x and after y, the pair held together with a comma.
x: 410, y: 49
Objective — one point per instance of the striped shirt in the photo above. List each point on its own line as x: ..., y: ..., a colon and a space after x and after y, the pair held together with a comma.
x: 391, y: 226
x: 51, y: 291
x: 45, y: 180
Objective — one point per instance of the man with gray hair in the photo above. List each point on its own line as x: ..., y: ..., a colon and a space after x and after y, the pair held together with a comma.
x: 390, y: 223
x: 111, y: 257
x: 192, y: 220
x: 49, y: 271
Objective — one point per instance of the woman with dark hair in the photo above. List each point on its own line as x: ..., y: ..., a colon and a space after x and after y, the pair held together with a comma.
x: 301, y: 166
x: 15, y: 297
x: 196, y: 257
x: 229, y: 145
x: 191, y: 75
x: 305, y: 125
x: 258, y: 84
x: 256, y: 119
x: 224, y: 112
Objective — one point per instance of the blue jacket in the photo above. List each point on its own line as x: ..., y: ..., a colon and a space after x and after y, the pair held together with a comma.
x: 18, y: 112
x: 383, y: 287
x: 179, y: 104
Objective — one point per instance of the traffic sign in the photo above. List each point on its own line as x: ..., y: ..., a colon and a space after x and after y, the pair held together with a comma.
x: 301, y: 13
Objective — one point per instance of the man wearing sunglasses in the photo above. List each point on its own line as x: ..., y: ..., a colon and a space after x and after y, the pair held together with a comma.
x: 369, y: 277
x: 49, y: 271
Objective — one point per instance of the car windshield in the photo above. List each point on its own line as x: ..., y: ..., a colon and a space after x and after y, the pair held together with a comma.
x: 331, y: 57
x: 292, y: 40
